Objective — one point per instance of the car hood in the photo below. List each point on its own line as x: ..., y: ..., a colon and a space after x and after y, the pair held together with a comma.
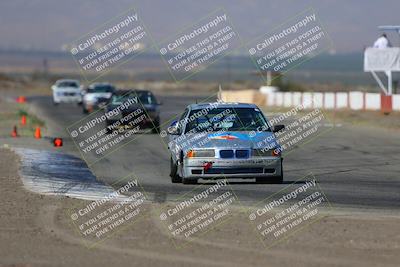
x: 231, y: 140
x: 94, y: 96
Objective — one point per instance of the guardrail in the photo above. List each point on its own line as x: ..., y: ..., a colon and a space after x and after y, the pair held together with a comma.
x: 334, y: 100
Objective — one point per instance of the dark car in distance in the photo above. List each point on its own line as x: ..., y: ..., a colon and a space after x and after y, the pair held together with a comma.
x: 133, y: 108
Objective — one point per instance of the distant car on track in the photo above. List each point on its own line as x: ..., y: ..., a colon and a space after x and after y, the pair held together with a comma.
x: 96, y: 95
x: 145, y: 102
x: 66, y: 91
x: 224, y: 140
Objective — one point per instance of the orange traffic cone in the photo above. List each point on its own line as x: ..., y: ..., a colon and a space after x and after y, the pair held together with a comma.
x: 23, y: 120
x: 38, y: 135
x: 21, y: 99
x: 14, y: 132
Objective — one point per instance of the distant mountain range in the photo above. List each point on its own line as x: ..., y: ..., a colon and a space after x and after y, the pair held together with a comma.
x: 323, y: 68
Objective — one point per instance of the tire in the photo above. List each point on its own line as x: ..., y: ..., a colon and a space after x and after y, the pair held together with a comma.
x: 189, y: 181
x: 85, y: 111
x: 264, y: 180
x: 269, y: 180
x: 156, y: 129
x: 277, y: 179
x: 55, y: 103
x: 175, y: 178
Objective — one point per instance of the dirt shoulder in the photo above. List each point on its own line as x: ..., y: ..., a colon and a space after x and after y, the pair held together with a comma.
x: 35, y: 231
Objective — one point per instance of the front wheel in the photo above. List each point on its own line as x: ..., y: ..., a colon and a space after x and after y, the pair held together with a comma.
x: 175, y: 178
x: 277, y: 179
x: 270, y: 180
x: 156, y: 129
x: 109, y: 130
x: 189, y: 181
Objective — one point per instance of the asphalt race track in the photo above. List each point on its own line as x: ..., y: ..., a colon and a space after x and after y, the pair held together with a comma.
x: 356, y: 167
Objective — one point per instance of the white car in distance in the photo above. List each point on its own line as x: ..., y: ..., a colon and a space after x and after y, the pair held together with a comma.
x: 96, y: 96
x: 67, y: 91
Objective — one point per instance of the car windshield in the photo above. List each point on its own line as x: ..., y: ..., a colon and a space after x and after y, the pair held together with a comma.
x: 229, y: 119
x: 67, y: 84
x: 101, y: 89
x: 146, y: 98
x: 121, y: 98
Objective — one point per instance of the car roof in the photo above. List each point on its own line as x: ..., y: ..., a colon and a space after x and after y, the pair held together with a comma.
x: 142, y: 91
x: 221, y: 105
x: 67, y: 80
x: 97, y: 84
x: 123, y: 92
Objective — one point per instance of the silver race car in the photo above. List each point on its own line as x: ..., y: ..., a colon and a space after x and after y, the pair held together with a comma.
x: 224, y: 140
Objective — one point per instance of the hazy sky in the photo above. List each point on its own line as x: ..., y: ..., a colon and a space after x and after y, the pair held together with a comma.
x: 48, y: 24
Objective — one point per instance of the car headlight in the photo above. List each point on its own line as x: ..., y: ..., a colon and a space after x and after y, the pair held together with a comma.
x: 201, y: 153
x: 275, y: 152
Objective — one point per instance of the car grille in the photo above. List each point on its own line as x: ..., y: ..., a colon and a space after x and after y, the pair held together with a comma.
x: 69, y: 94
x: 226, y: 154
x: 229, y: 154
x: 242, y: 154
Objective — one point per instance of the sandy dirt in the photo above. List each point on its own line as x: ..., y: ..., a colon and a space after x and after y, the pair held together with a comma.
x: 36, y: 231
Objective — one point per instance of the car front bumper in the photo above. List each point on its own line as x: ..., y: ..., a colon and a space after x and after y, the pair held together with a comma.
x: 232, y: 168
x: 92, y: 106
x: 68, y: 99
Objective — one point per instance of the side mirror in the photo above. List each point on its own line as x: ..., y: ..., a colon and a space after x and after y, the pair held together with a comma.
x: 277, y: 128
x: 173, y: 123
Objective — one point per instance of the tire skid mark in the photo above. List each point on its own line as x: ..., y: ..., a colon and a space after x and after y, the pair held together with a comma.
x: 53, y: 173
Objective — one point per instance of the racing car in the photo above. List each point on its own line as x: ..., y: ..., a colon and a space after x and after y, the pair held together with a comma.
x: 135, y: 109
x: 66, y: 91
x: 224, y: 140
x: 96, y: 96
